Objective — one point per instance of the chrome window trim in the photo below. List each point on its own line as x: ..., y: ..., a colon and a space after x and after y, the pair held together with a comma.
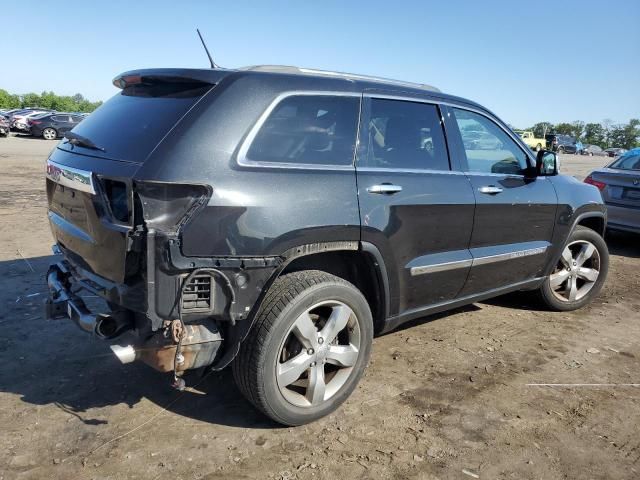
x: 408, y: 170
x: 242, y: 159
x: 75, y: 178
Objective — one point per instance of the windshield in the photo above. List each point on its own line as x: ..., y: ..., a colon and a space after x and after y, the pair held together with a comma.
x: 130, y: 125
x: 627, y: 162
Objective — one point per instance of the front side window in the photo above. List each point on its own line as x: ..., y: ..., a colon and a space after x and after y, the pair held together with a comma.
x: 308, y: 129
x: 405, y: 135
x: 488, y: 148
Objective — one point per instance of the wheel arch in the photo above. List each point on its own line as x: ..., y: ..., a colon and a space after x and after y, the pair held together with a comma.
x: 363, y: 267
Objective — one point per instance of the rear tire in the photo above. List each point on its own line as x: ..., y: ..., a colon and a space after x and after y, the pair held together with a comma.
x: 285, y: 368
x: 580, y: 273
x: 49, y: 134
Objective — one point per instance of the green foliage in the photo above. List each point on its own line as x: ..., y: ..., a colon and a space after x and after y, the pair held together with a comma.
x: 541, y: 129
x: 595, y: 134
x: 75, y: 103
x: 604, y: 134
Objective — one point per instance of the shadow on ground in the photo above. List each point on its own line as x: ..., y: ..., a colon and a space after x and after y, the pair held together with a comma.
x: 53, y: 362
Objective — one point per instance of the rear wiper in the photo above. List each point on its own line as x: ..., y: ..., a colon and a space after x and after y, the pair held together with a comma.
x: 79, y: 140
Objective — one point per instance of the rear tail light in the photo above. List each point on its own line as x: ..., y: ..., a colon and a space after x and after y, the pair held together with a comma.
x: 600, y: 185
x: 34, y: 122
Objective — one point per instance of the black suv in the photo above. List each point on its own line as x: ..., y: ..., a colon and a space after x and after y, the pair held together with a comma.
x: 276, y: 218
x: 561, y: 143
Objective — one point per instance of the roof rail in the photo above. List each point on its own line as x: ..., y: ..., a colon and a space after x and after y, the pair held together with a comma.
x: 327, y: 73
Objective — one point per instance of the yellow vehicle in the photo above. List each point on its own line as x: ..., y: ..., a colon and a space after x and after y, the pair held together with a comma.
x: 530, y: 139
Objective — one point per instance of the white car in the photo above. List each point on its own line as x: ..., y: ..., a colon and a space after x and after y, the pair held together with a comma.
x: 20, y: 122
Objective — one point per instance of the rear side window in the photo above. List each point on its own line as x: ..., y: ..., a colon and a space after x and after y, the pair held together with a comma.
x: 405, y: 135
x: 308, y: 129
x: 487, y: 146
x: 627, y: 162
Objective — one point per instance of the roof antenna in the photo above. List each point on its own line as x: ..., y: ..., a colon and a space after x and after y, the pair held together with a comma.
x: 213, y: 65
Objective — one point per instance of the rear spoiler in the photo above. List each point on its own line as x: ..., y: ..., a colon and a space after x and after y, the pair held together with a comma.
x: 169, y: 75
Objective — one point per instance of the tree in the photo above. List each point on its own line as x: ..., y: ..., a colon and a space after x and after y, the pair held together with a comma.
x: 625, y: 135
x: 595, y: 134
x: 541, y: 129
x: 8, y: 101
x: 578, y: 129
x: 563, y: 129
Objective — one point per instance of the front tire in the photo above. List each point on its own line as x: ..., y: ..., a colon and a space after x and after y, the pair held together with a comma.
x: 308, y: 348
x: 580, y: 273
x: 49, y: 134
x: 560, y: 150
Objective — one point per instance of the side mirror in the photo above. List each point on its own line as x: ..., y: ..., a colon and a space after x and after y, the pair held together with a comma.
x: 547, y: 163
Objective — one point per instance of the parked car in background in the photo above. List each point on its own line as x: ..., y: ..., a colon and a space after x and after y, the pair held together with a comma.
x: 615, y: 152
x: 619, y: 184
x: 530, y: 139
x: 592, y: 150
x: 53, y: 125
x: 4, y: 126
x: 560, y: 143
x: 21, y: 122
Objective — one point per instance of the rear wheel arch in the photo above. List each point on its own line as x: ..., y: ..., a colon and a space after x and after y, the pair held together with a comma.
x: 364, y: 268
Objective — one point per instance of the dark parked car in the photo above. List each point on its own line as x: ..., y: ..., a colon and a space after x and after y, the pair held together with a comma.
x: 53, y: 125
x: 5, y: 127
x: 276, y: 218
x: 619, y: 183
x: 592, y: 150
x: 561, y: 143
x: 615, y: 152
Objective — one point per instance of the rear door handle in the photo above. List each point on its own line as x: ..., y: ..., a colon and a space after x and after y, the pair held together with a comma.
x: 490, y: 190
x: 385, y: 189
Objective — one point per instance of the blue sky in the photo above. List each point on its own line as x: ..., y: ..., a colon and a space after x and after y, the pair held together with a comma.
x: 527, y: 61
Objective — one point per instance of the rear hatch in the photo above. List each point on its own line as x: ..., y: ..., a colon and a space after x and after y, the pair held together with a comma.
x: 90, y: 176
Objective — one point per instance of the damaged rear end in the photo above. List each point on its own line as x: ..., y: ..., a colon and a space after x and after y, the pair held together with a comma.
x: 117, y: 231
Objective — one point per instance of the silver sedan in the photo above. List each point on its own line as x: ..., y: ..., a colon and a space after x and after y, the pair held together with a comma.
x: 619, y: 183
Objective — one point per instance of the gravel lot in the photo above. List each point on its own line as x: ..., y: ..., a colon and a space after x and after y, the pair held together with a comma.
x: 445, y: 397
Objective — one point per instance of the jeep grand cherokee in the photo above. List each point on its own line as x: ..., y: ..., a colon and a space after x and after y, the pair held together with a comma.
x: 276, y: 218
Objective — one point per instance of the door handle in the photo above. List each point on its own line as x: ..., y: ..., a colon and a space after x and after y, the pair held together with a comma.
x: 385, y: 189
x: 490, y: 190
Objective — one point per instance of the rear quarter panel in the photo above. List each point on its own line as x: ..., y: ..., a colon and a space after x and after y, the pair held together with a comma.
x: 253, y: 210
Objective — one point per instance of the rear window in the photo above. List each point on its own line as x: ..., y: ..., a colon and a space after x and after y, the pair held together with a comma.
x: 308, y: 129
x: 627, y: 162
x: 130, y: 125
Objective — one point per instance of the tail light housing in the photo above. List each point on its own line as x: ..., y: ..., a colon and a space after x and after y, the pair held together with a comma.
x: 600, y: 185
x: 34, y: 122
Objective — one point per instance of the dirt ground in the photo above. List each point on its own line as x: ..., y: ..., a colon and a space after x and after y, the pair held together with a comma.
x: 447, y: 396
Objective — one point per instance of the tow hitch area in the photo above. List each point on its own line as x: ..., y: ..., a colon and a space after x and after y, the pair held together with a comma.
x: 199, y: 345
x: 175, y: 347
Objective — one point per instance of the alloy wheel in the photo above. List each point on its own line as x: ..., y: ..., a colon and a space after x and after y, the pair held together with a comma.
x: 49, y: 134
x: 318, y: 354
x: 576, y: 272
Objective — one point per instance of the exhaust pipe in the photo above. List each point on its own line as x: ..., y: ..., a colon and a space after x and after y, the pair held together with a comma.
x: 200, y: 347
x: 125, y: 354
x: 111, y: 326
